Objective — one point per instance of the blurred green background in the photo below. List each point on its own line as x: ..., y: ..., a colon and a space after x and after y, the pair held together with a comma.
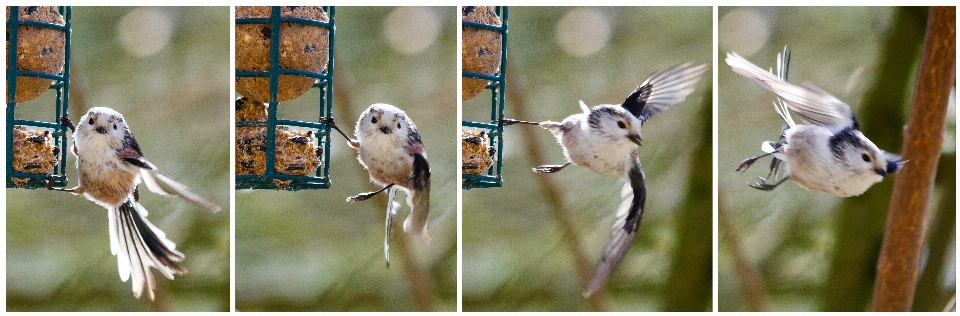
x: 311, y: 250
x: 797, y: 250
x: 167, y: 70
x: 514, y: 255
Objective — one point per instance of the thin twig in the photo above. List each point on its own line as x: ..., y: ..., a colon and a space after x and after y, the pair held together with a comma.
x: 750, y: 281
x: 899, y: 264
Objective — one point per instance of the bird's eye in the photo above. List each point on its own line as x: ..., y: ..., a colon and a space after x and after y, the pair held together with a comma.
x: 865, y: 157
x: 620, y: 124
x: 114, y: 126
x: 373, y: 120
x: 90, y: 121
x: 398, y: 125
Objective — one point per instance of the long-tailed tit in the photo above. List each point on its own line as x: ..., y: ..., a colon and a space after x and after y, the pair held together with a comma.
x: 826, y: 153
x: 110, y: 166
x: 389, y: 147
x: 605, y: 139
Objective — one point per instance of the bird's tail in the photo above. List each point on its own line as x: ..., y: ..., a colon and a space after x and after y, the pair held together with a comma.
x: 139, y: 245
x: 419, y: 200
x: 624, y: 231
x: 391, y: 212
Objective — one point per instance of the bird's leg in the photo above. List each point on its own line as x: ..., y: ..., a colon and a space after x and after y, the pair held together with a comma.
x: 49, y: 183
x: 745, y: 164
x: 67, y: 122
x: 549, y: 168
x: 367, y: 195
x: 329, y: 121
x: 763, y: 185
x: 774, y: 168
x: 508, y: 122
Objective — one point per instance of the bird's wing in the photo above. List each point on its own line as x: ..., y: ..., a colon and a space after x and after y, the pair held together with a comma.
x: 139, y: 245
x: 663, y: 89
x: 156, y: 181
x: 813, y: 105
x: 624, y: 231
x: 419, y: 200
x: 161, y: 184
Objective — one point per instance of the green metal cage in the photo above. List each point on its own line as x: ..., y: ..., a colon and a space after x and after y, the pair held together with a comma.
x: 493, y: 177
x: 61, y: 85
x: 321, y: 179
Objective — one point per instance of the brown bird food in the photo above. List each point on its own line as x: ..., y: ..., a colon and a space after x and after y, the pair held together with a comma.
x: 477, y: 155
x: 481, y: 49
x: 39, y: 49
x: 296, y: 152
x: 33, y: 152
x: 302, y: 47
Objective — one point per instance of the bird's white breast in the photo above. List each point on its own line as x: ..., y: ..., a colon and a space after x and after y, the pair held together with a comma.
x: 813, y: 166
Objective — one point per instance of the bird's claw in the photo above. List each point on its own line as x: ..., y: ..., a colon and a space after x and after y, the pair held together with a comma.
x: 508, y: 122
x: 68, y: 123
x: 361, y: 197
x: 763, y: 185
x: 548, y: 168
x: 48, y: 182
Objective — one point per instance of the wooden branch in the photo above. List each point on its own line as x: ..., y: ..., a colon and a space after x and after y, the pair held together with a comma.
x: 899, y: 264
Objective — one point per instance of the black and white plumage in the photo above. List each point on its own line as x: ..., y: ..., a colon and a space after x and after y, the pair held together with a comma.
x: 605, y: 140
x: 390, y: 148
x: 828, y: 152
x: 110, y: 166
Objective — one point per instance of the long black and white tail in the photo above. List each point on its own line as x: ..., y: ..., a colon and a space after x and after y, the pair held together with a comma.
x: 139, y: 245
x: 624, y: 231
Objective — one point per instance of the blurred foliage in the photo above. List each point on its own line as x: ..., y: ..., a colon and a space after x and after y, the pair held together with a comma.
x: 310, y: 250
x: 514, y: 257
x: 177, y: 102
x: 815, y: 251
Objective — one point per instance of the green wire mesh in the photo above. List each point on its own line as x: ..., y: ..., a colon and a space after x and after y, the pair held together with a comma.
x: 321, y: 179
x: 493, y: 176
x: 60, y: 84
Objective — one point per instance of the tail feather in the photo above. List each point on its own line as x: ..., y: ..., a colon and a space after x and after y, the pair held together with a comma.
x: 418, y: 198
x: 624, y: 232
x: 139, y: 245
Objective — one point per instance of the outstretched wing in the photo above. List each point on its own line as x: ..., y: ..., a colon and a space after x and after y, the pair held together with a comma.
x: 161, y: 184
x: 139, y: 245
x: 156, y: 181
x: 813, y: 105
x: 663, y: 89
x: 624, y: 232
x: 419, y: 200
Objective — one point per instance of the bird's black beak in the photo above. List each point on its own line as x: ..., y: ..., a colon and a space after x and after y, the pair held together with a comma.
x: 101, y: 130
x: 881, y: 172
x: 893, y: 166
x: 636, y: 139
x: 385, y: 130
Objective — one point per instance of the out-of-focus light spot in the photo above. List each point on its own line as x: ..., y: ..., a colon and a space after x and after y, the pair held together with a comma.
x: 410, y: 30
x: 583, y: 32
x: 144, y: 31
x: 743, y: 31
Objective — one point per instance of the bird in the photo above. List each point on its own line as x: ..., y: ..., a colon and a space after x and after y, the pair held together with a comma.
x: 111, y: 165
x: 605, y: 139
x: 389, y: 147
x: 827, y: 152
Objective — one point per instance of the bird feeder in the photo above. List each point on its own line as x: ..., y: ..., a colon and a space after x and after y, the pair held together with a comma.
x: 288, y: 31
x: 38, y: 59
x: 491, y: 134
